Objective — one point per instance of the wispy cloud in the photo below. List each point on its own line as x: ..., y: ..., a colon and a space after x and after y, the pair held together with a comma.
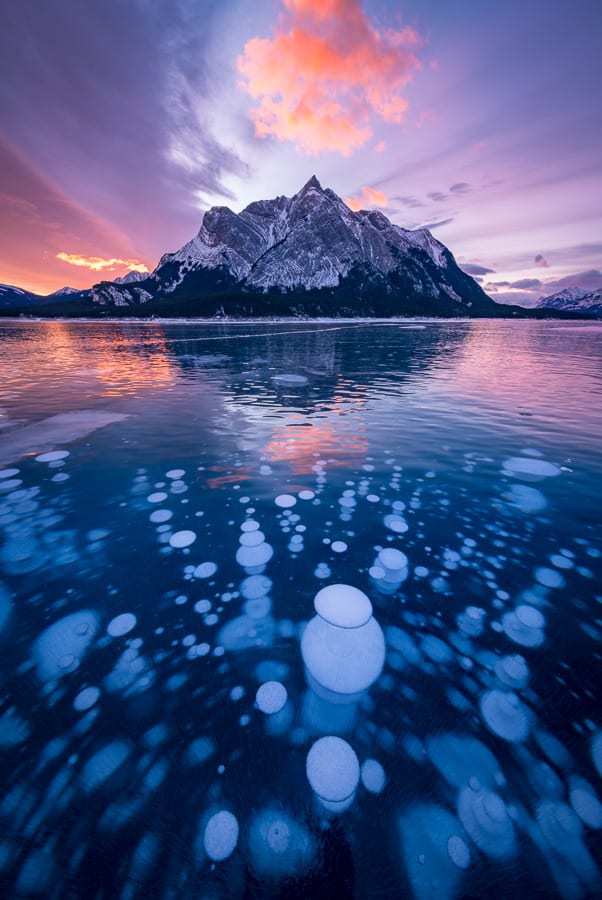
x: 98, y: 264
x: 368, y: 196
x: 541, y: 262
x: 327, y: 75
x: 472, y: 269
x: 432, y: 225
x: 437, y: 196
x: 460, y: 187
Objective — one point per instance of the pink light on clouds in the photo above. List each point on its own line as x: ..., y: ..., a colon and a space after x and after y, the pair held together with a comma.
x: 367, y: 197
x: 327, y: 75
x: 99, y: 264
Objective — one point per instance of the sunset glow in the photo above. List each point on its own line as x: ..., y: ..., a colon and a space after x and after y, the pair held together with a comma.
x: 441, y: 120
x: 97, y: 264
x: 367, y: 197
x: 326, y: 74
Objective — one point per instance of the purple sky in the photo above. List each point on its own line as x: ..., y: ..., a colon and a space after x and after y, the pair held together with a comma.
x: 123, y: 120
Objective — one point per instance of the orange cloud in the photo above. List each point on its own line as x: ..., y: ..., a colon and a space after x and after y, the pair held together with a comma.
x: 367, y: 197
x: 98, y: 264
x: 326, y: 74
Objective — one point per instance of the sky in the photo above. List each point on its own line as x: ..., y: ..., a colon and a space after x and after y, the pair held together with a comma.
x: 121, y: 121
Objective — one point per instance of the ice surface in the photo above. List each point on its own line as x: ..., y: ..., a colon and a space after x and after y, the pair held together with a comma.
x: 459, y: 758
x: 63, y: 428
x: 333, y: 769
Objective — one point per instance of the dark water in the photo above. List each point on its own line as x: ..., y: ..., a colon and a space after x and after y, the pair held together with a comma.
x: 161, y: 571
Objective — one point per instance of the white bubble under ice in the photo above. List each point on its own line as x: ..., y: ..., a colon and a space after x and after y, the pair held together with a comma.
x: 530, y: 469
x: 221, y: 835
x: 505, y: 715
x: 60, y: 647
x: 333, y: 769
x: 485, y: 818
x: 121, y: 624
x: 182, y: 539
x: 285, y: 501
x: 271, y: 697
x: 343, y: 605
x: 373, y: 776
x: 52, y: 456
x: 86, y: 699
x: 205, y: 570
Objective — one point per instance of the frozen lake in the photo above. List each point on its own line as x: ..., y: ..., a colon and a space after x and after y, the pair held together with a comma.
x: 301, y: 610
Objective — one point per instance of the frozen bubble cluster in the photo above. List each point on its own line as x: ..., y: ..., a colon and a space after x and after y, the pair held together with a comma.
x: 485, y: 817
x: 434, y: 851
x: 254, y: 551
x: 506, y: 715
x: 60, y: 648
x: 525, y: 626
x: 389, y: 570
x: 343, y: 646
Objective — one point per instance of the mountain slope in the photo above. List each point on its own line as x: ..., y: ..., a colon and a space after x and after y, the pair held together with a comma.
x: 572, y: 299
x: 308, y: 254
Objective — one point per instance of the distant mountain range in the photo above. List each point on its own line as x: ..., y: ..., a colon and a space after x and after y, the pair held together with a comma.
x: 572, y: 299
x: 306, y: 255
x: 11, y: 296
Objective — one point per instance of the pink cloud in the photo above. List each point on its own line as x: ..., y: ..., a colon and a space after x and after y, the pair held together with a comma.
x: 100, y: 264
x: 326, y: 75
x: 367, y: 197
x: 541, y: 262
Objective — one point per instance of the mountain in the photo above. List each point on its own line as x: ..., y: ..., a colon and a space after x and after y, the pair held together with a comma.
x: 304, y: 255
x: 131, y: 277
x: 12, y: 297
x: 64, y: 292
x: 572, y: 299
